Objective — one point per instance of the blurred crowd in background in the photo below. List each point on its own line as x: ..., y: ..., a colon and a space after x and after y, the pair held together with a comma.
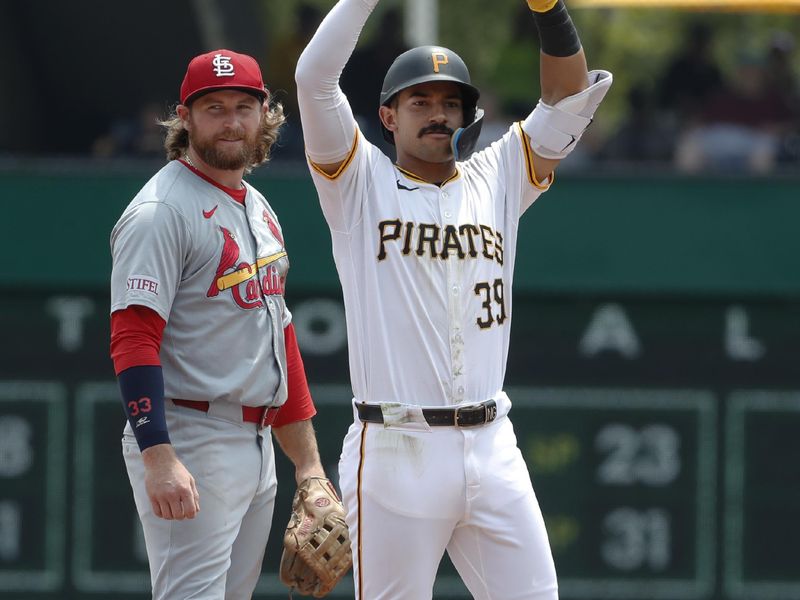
x: 692, y: 115
x: 699, y: 118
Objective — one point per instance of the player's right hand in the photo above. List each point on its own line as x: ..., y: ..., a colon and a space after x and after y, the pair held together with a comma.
x: 170, y: 487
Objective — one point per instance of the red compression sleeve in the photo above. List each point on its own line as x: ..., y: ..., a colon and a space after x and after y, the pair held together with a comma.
x: 136, y: 333
x: 299, y: 405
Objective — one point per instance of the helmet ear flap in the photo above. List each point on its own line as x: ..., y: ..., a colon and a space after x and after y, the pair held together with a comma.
x: 464, y: 138
x: 470, y: 113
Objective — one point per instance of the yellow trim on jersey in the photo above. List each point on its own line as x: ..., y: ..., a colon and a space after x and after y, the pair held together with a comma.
x: 528, y: 151
x: 232, y: 279
x: 451, y: 178
x: 360, y: 522
x: 410, y: 175
x: 419, y: 179
x: 345, y: 163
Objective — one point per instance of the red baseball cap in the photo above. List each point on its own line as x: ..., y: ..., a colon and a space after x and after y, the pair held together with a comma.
x: 222, y: 69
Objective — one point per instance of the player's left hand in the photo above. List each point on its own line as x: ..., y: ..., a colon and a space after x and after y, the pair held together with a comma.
x: 316, y: 546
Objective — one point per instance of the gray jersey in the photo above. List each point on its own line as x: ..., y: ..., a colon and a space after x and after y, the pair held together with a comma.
x: 214, y: 270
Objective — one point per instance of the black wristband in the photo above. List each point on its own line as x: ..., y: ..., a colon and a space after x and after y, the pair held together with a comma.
x: 557, y: 33
x: 142, y: 391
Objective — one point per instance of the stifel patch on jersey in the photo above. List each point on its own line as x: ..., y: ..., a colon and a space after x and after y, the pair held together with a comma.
x: 143, y: 283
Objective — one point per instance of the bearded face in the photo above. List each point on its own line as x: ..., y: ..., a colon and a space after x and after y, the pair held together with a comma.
x: 229, y: 151
x: 224, y: 129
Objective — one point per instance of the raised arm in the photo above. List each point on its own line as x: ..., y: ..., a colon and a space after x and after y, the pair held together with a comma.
x: 570, y: 94
x: 329, y: 127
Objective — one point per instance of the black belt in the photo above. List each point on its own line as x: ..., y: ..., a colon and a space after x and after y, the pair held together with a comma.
x: 461, y: 416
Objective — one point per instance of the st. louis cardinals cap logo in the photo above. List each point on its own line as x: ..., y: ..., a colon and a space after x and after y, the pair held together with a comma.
x: 223, y: 67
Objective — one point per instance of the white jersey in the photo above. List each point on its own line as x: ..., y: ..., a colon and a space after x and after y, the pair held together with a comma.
x: 427, y: 270
x: 214, y: 270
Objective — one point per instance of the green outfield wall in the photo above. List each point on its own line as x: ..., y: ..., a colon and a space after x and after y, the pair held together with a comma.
x: 586, y: 235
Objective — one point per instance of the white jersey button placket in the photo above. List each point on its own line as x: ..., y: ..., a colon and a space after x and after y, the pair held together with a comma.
x: 452, y: 267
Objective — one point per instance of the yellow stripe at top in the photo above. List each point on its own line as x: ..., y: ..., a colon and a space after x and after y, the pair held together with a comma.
x: 704, y: 5
x: 418, y: 179
x: 345, y: 163
x: 529, y: 168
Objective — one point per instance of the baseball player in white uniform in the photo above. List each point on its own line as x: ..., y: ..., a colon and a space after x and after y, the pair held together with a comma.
x: 202, y: 341
x: 425, y: 250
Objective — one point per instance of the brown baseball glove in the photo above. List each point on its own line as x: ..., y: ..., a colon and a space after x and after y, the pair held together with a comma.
x: 316, y: 546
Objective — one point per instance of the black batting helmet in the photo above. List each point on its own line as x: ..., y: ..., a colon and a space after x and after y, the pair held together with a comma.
x: 424, y: 64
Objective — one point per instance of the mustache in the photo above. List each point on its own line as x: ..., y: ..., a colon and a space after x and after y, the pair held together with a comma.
x: 435, y: 129
x: 232, y: 136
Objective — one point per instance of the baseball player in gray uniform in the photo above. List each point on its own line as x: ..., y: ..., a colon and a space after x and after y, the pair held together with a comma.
x: 202, y: 341
x: 425, y: 250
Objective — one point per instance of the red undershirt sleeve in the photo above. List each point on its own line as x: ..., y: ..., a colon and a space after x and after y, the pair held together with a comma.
x: 136, y: 333
x: 299, y: 405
